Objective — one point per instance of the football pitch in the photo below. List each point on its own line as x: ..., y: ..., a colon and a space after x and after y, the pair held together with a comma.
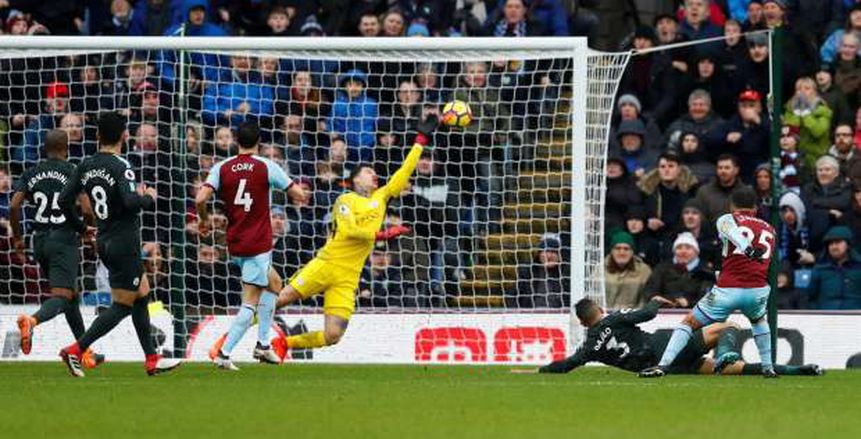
x: 328, y: 401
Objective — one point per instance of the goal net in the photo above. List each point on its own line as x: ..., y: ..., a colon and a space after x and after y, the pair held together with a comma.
x: 506, y: 213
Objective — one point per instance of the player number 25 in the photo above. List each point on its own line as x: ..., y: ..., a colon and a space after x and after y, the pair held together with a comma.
x: 42, y: 200
x: 765, y: 239
x: 243, y: 198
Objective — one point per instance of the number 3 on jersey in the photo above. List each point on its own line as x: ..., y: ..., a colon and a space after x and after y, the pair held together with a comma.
x: 242, y: 197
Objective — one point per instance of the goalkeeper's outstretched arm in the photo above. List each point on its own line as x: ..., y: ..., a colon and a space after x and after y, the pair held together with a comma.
x: 401, y: 178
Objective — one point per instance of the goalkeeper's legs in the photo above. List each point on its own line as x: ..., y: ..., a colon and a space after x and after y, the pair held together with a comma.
x: 335, y: 327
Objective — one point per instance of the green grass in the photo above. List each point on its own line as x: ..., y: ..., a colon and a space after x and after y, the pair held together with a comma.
x: 293, y: 401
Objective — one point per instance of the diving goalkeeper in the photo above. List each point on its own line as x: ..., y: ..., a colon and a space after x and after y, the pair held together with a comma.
x: 335, y: 271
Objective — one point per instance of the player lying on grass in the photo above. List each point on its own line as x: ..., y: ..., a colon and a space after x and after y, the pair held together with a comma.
x: 117, y: 200
x: 615, y: 339
x: 335, y: 271
x: 55, y: 242
x: 243, y: 183
x: 748, y: 245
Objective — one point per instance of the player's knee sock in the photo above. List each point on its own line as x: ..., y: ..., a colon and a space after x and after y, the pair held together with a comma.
x: 308, y: 340
x: 762, y: 337
x: 781, y: 369
x: 103, y: 324
x: 265, y: 314
x: 74, y: 318
x: 50, y: 308
x: 680, y: 338
x: 727, y: 342
x: 140, y: 317
x: 240, y: 324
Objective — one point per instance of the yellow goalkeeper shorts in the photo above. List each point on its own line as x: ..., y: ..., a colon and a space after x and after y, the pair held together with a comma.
x: 336, y: 283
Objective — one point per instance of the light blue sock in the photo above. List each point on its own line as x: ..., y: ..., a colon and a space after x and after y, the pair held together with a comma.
x: 681, y: 335
x: 240, y: 324
x: 265, y: 314
x: 762, y: 337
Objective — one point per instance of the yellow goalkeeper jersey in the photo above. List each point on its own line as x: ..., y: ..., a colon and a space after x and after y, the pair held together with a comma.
x: 357, y: 219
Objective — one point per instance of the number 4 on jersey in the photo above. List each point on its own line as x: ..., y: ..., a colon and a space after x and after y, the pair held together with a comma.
x: 242, y: 197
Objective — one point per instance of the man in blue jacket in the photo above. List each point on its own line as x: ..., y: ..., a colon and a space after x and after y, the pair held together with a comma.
x: 354, y: 116
x: 197, y: 24
x: 836, y: 279
x: 239, y: 96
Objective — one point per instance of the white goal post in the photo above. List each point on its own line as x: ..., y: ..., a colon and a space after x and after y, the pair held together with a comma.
x: 507, y: 214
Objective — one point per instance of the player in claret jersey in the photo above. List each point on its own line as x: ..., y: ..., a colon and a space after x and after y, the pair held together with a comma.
x: 243, y: 184
x: 748, y: 245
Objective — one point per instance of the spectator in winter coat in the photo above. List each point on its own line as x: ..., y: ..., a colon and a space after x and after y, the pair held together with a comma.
x: 646, y: 246
x: 545, y: 283
x: 844, y: 149
x: 514, y: 20
x: 150, y: 18
x: 550, y: 14
x: 683, y: 279
x: 831, y: 46
x: 693, y: 221
x: 243, y: 96
x: 692, y: 153
x: 753, y: 70
x: 666, y: 191
x: 833, y: 96
x: 807, y: 111
x: 836, y: 280
x: 696, y: 24
x: 762, y: 186
x: 622, y: 192
x: 733, y: 53
x: 714, y: 196
x: 700, y: 119
x: 354, y: 116
x: 793, y: 236
x: 638, y: 159
x: 828, y: 200
x: 791, y: 166
x: 56, y: 105
x: 196, y: 24
x: 625, y: 274
x: 847, y: 68
x: 744, y: 135
x: 629, y: 108
x: 707, y: 75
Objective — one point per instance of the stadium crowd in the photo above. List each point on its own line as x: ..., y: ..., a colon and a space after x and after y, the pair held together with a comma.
x: 690, y: 126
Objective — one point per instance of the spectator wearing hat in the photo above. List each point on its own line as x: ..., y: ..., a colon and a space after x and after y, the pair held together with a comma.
x: 195, y: 21
x: 714, y: 196
x: 800, y: 56
x: 835, y: 283
x: 692, y: 153
x: 828, y: 200
x: 667, y: 188
x: 794, y: 237
x: 791, y: 165
x: 829, y: 49
x: 807, y: 111
x: 621, y: 193
x: 684, y: 279
x: 754, y: 69
x: 628, y: 107
x: 544, y: 283
x: 833, y: 96
x: 699, y: 119
x: 434, y: 15
x: 762, y: 186
x: 625, y: 274
x: 844, y: 149
x: 418, y: 30
x: 746, y: 134
x: 354, y: 116
x: 755, y: 18
x: 638, y: 159
x: 646, y: 245
x: 311, y: 27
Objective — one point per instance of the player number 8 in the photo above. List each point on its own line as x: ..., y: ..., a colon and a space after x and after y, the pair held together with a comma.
x: 101, y: 199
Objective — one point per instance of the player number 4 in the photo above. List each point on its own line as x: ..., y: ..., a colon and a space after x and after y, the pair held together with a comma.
x: 243, y: 198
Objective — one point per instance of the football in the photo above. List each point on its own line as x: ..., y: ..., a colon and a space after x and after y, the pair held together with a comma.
x: 457, y: 114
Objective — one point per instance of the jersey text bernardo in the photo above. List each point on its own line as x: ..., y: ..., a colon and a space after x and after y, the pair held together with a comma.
x: 45, y: 175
